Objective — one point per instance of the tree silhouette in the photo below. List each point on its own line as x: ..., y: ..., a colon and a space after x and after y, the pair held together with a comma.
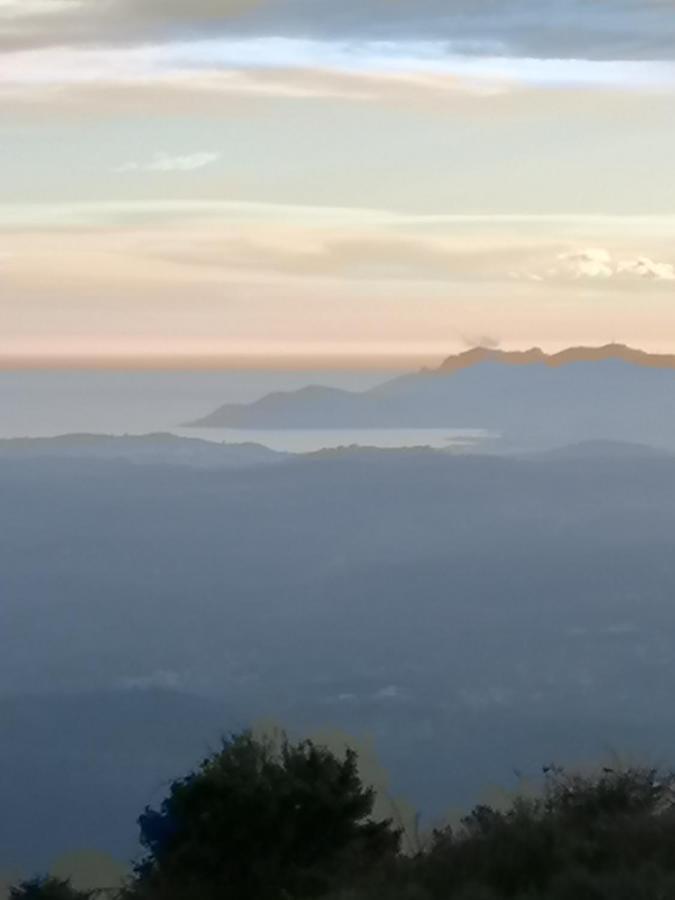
x: 47, y: 888
x: 609, y: 836
x: 258, y: 821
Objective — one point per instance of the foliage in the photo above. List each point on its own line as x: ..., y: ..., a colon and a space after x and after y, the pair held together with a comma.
x: 606, y: 836
x: 47, y: 888
x: 258, y: 821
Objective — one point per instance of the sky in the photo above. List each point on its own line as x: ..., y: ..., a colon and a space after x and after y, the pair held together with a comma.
x: 221, y: 180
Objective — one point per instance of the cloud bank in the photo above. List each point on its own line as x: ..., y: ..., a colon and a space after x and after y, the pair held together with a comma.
x: 309, y: 67
x: 598, y: 264
x: 553, y: 29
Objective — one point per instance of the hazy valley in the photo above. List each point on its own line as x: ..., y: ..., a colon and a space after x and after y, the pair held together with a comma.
x: 474, y: 614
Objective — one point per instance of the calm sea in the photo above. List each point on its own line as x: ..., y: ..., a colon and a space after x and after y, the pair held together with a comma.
x: 44, y: 404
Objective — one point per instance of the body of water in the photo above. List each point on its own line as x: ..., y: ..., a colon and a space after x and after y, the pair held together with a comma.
x: 49, y: 403
x: 301, y: 440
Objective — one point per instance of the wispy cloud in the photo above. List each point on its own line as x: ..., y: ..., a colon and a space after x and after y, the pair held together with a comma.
x: 26, y: 216
x: 163, y: 162
x: 553, y: 29
x: 303, y: 67
x: 275, y: 243
x: 420, y: 57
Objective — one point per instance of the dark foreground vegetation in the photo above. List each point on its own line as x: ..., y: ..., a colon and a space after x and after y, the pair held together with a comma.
x: 271, y: 820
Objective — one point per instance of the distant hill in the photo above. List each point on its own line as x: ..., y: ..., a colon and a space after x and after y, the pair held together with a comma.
x: 530, y: 399
x: 142, y: 449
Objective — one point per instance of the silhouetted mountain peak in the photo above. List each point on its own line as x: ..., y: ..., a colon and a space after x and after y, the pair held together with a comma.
x: 614, y: 351
x: 528, y: 399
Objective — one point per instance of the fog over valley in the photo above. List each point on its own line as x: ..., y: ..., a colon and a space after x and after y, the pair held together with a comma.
x: 476, y: 610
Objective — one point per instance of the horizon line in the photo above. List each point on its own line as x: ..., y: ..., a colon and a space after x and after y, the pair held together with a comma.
x: 216, y: 362
x: 290, y: 361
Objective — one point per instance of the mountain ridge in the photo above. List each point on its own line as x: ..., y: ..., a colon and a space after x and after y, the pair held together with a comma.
x: 531, y: 399
x: 149, y: 449
x: 568, y: 356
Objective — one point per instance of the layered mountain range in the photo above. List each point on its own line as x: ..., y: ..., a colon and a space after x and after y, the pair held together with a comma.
x: 524, y: 399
